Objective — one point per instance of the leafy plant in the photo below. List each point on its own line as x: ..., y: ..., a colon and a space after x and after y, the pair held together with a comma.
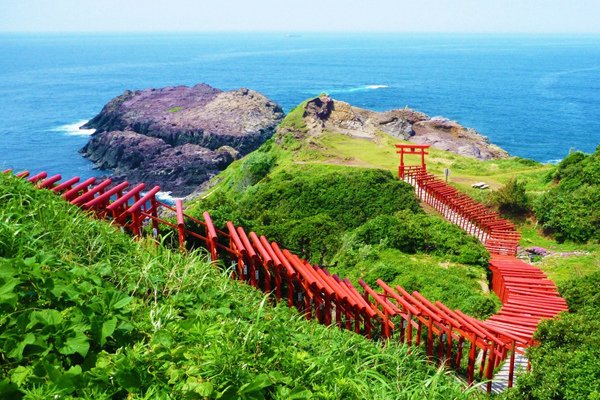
x: 570, y: 211
x: 255, y: 167
x: 566, y: 364
x: 86, y: 312
x: 512, y: 199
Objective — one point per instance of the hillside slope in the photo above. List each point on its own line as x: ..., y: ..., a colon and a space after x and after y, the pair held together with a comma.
x: 87, y: 312
x: 297, y: 146
x: 298, y: 190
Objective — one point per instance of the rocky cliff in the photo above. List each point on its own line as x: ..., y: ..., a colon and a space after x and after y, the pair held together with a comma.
x: 326, y: 114
x: 179, y: 137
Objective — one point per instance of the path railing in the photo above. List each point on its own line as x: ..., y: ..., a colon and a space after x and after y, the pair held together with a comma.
x: 449, y: 336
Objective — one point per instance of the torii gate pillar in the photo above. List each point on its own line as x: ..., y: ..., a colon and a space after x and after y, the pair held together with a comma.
x: 403, y: 149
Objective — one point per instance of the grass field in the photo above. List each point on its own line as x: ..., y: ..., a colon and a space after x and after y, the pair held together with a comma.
x: 87, y: 312
x: 336, y: 148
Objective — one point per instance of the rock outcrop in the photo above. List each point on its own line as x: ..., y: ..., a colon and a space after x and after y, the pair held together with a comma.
x: 179, y: 137
x: 326, y: 114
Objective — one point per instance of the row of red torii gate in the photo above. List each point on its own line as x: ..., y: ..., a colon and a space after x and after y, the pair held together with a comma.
x: 472, y: 347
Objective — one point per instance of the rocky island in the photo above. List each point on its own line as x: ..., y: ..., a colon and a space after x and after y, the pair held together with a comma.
x: 179, y: 137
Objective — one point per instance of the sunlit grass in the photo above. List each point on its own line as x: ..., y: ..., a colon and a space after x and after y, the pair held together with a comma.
x: 184, y: 328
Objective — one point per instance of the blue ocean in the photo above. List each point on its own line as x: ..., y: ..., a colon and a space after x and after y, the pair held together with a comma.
x: 535, y: 96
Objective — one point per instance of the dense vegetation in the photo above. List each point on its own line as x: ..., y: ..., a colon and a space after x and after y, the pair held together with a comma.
x: 87, y: 312
x: 451, y: 266
x: 512, y: 199
x: 570, y: 210
x: 308, y: 207
x: 566, y: 364
x: 359, y: 222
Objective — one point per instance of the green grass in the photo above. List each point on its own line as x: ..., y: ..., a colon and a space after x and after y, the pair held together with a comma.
x: 308, y: 203
x: 86, y: 312
x: 175, y: 109
x: 573, y: 260
x: 381, y: 153
x: 456, y: 285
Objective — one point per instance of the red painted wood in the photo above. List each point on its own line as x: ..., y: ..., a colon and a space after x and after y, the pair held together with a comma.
x: 528, y: 296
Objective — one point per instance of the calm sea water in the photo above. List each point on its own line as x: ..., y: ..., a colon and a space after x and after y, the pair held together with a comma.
x: 535, y: 96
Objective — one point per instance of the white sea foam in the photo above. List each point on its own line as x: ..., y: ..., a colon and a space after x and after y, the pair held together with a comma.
x: 362, y: 88
x: 166, y: 198
x: 366, y: 87
x: 556, y: 161
x: 73, y: 129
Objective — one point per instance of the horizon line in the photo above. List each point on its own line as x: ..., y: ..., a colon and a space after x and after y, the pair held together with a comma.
x: 307, y: 32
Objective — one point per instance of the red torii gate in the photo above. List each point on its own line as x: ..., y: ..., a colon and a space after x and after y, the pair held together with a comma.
x: 528, y: 296
x: 403, y: 149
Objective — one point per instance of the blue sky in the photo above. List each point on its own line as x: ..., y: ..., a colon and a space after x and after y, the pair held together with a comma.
x: 476, y: 16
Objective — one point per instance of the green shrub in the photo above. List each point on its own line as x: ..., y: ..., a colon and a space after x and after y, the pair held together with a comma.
x: 255, y: 167
x: 314, y: 237
x: 391, y: 231
x: 412, y: 232
x: 571, y: 214
x: 511, y: 199
x: 571, y: 210
x: 566, y: 364
x: 582, y: 293
x: 569, y: 167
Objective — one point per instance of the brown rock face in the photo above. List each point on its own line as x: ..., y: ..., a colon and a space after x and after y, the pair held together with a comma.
x: 325, y: 113
x: 179, y: 137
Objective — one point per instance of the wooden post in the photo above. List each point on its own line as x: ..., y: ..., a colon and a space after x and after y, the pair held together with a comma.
x: 180, y: 224
x: 511, y: 371
x: 471, y: 362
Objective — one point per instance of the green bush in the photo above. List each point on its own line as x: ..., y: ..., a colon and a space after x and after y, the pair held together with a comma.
x: 315, y: 237
x: 566, y: 364
x: 309, y: 208
x: 255, y: 167
x: 394, y: 232
x: 569, y: 167
x: 571, y: 210
x: 511, y: 199
x: 571, y: 214
x: 416, y: 232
